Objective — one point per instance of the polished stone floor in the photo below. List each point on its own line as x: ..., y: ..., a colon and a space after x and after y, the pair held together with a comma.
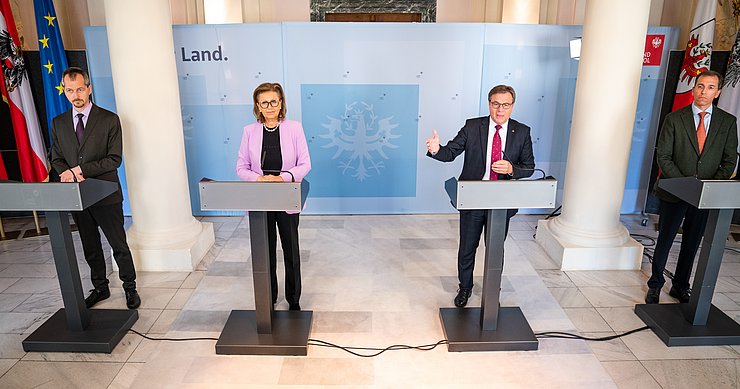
x: 371, y: 281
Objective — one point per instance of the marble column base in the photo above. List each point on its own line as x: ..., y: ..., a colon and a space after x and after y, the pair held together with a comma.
x: 627, y: 256
x: 183, y: 256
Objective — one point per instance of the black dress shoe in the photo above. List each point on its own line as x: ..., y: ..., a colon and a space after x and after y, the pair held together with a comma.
x: 132, y: 299
x: 682, y: 295
x: 462, y: 297
x: 294, y: 307
x: 96, y: 296
x: 653, y: 296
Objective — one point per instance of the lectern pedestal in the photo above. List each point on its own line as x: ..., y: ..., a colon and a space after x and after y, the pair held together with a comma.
x: 262, y: 331
x: 491, y: 327
x: 73, y: 328
x: 698, y: 322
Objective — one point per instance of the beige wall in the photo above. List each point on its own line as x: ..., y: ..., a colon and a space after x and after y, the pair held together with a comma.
x: 72, y: 16
x: 521, y: 11
x: 468, y: 11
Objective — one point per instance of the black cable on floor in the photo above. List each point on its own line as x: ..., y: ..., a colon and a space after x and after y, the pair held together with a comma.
x: 426, y: 347
x: 554, y: 213
x: 650, y: 239
x: 169, y: 339
x: 566, y: 335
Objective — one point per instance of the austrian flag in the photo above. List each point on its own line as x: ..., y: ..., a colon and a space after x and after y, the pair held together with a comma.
x: 16, y: 92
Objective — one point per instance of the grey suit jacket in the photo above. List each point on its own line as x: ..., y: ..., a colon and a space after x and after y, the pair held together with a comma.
x: 678, y: 148
x: 99, y: 155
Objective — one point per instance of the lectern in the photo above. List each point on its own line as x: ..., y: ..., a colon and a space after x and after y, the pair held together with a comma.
x: 263, y: 331
x: 73, y: 328
x: 698, y: 322
x: 491, y: 327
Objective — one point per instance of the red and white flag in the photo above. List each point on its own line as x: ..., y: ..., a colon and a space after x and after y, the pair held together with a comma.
x: 729, y: 99
x: 698, y: 51
x: 16, y: 92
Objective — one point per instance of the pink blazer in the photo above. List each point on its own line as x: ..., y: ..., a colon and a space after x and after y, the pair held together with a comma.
x: 293, y: 148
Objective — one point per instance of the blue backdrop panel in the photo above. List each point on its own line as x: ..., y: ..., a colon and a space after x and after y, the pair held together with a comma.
x: 442, y: 61
x: 369, y: 94
x: 362, y: 139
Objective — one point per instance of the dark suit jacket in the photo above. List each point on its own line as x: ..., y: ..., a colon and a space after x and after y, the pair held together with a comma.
x: 99, y: 155
x: 678, y: 148
x: 473, y: 140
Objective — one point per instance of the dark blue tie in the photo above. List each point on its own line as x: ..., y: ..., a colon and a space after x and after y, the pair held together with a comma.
x: 80, y: 128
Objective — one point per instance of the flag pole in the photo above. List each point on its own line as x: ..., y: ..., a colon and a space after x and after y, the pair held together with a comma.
x: 36, y: 221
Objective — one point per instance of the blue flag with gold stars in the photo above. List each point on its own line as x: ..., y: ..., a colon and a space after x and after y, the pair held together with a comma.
x: 53, y: 59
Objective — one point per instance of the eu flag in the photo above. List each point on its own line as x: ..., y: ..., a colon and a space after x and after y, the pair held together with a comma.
x: 53, y: 59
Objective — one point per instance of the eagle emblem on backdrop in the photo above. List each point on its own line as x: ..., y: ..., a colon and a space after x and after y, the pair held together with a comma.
x: 11, y: 59
x: 360, y: 138
x: 656, y: 42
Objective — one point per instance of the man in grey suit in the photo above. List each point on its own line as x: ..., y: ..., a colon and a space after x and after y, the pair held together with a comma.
x: 86, y: 143
x: 699, y: 140
x: 496, y: 148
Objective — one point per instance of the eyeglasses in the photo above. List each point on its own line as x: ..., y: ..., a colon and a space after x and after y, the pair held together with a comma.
x: 271, y: 103
x: 496, y: 105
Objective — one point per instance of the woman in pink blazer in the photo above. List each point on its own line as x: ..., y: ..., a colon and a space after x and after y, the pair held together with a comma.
x: 274, y: 149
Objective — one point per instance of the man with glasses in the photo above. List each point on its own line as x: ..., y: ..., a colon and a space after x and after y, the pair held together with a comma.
x: 496, y: 148
x: 87, y: 143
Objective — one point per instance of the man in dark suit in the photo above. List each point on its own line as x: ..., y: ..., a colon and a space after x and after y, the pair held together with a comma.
x: 701, y: 141
x: 86, y: 143
x: 496, y: 148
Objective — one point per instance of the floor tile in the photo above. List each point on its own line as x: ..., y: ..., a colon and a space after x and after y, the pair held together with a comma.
x: 60, y: 374
x: 630, y: 374
x: 718, y: 373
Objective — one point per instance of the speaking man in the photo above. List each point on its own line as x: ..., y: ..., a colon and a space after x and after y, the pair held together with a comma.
x: 496, y: 148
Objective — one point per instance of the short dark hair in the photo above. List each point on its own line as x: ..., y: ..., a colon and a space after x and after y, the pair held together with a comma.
x: 73, y: 72
x: 502, y: 89
x: 268, y: 87
x: 710, y: 73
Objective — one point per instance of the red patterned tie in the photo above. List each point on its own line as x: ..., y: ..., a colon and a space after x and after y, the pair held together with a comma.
x: 495, y: 152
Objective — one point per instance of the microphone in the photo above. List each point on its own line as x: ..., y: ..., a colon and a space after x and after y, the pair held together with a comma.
x: 544, y: 175
x: 276, y: 172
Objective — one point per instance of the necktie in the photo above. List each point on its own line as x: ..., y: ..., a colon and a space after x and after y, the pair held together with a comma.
x: 80, y: 128
x: 495, y: 152
x: 701, y: 133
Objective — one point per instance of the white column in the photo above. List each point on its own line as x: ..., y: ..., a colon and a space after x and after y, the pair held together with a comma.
x: 588, y: 233
x: 164, y: 236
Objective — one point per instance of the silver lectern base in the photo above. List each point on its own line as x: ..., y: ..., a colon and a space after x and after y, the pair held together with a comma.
x: 289, y: 335
x: 107, y: 327
x: 671, y: 326
x: 463, y: 331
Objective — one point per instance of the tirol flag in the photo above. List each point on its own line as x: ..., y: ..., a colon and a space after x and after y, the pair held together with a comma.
x: 53, y: 59
x: 16, y: 92
x: 698, y: 51
x: 729, y: 99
